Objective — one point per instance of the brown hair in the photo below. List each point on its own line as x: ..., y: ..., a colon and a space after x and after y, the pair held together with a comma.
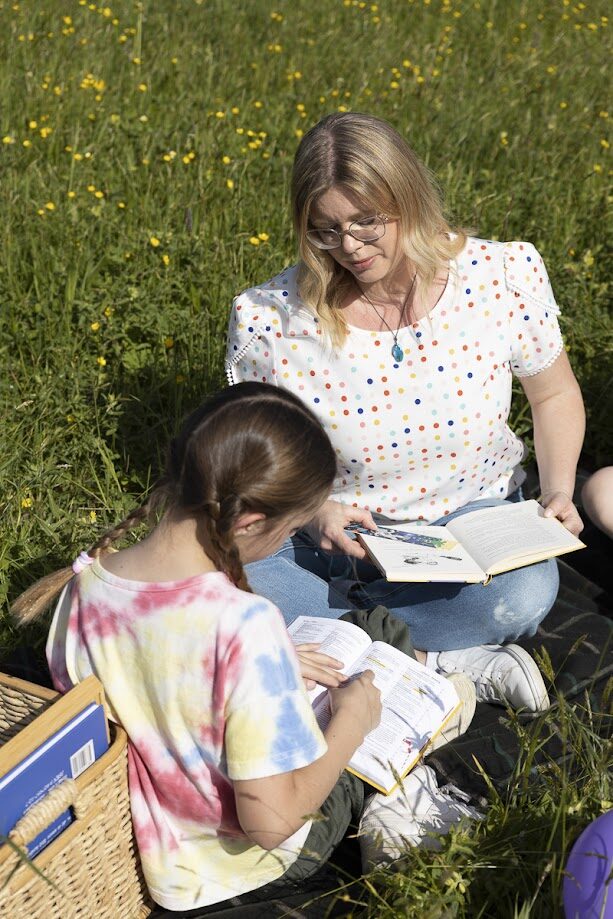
x: 250, y: 448
x: 365, y: 155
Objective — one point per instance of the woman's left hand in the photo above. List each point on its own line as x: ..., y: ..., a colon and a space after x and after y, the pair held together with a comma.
x: 317, y: 667
x: 559, y: 504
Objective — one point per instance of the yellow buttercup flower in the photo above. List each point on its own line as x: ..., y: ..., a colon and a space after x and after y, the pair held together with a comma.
x: 95, y: 326
x: 154, y: 241
x: 101, y: 361
x: 26, y: 503
x: 254, y: 240
x: 166, y: 260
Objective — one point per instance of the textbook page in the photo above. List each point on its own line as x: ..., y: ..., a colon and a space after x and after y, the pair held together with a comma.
x: 416, y: 702
x: 510, y: 532
x: 338, y: 638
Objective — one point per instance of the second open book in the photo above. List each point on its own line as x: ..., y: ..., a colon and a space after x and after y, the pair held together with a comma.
x: 417, y: 702
x: 470, y: 548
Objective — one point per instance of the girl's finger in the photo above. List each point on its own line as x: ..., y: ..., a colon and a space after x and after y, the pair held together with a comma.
x: 323, y: 660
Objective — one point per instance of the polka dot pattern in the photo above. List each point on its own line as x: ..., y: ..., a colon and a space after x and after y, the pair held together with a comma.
x: 415, y: 440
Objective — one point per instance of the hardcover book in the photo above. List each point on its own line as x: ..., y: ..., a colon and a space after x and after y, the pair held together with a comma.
x: 471, y: 548
x: 60, y: 743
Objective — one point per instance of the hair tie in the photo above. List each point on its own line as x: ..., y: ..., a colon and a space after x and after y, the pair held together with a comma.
x: 81, y: 562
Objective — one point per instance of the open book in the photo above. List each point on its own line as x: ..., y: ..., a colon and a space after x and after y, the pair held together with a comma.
x: 470, y: 548
x: 417, y: 702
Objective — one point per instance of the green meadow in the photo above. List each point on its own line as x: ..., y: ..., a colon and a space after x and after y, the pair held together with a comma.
x: 145, y: 154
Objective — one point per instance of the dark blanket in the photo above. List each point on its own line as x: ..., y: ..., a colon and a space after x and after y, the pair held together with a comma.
x: 574, y: 646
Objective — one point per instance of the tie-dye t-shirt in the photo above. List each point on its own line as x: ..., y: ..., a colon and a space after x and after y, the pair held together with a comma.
x: 206, y: 683
x: 417, y: 438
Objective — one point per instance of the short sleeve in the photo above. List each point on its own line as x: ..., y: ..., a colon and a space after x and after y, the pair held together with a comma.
x: 536, y: 339
x: 250, y: 346
x: 270, y: 725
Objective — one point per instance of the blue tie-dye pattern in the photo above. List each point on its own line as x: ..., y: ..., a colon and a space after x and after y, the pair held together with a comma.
x: 254, y: 610
x: 294, y: 744
x: 277, y: 676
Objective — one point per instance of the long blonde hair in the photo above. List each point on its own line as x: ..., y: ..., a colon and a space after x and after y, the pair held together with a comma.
x: 252, y: 447
x: 365, y: 155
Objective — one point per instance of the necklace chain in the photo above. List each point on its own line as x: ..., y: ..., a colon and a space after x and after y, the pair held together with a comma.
x: 397, y: 352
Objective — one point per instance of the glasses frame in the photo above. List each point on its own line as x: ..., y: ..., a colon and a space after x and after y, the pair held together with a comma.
x: 349, y: 232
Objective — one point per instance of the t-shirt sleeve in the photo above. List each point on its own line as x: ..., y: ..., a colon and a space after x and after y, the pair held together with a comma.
x: 250, y: 346
x: 270, y: 725
x: 536, y: 339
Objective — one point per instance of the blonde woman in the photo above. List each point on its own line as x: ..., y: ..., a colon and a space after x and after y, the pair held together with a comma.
x: 402, y: 334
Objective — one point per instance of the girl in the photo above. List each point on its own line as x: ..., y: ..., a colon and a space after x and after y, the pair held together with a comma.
x: 225, y: 758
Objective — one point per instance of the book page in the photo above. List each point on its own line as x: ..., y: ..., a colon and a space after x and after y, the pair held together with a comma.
x: 416, y: 702
x: 430, y: 554
x: 510, y: 532
x: 342, y: 640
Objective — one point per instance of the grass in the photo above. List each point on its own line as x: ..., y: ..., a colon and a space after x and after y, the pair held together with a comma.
x: 145, y: 150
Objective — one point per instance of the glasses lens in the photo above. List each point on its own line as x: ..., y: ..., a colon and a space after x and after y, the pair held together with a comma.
x: 365, y: 230
x: 324, y: 239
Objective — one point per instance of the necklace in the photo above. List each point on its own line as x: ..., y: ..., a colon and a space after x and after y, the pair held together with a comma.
x: 397, y: 352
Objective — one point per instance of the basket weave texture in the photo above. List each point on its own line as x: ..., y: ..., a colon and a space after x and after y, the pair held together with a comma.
x: 93, y: 865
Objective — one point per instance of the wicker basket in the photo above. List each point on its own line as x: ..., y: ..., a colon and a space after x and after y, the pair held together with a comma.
x: 92, y: 866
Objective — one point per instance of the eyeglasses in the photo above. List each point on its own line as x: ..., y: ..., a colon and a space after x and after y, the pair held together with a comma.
x: 366, y: 231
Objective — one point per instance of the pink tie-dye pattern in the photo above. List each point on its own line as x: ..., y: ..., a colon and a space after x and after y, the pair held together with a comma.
x: 175, y: 663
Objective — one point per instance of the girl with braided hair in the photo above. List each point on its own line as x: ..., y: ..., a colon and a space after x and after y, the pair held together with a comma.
x: 225, y: 757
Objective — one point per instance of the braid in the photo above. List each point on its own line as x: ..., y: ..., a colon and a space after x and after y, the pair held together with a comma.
x: 34, y: 601
x: 135, y: 518
x: 220, y: 518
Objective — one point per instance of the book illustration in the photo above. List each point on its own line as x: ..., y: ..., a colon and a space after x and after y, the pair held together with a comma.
x: 418, y: 539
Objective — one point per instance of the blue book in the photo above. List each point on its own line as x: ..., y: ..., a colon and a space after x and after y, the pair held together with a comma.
x: 59, y: 744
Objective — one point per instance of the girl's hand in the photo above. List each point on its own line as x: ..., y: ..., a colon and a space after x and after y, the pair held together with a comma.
x: 328, y: 528
x: 316, y: 667
x: 360, y: 699
x: 559, y: 504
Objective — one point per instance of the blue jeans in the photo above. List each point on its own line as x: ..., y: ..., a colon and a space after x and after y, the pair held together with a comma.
x: 302, y: 579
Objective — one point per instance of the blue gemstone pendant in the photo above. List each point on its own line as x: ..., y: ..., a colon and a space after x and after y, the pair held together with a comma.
x: 397, y: 352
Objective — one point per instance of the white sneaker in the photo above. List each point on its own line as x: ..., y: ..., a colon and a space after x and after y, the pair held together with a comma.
x: 506, y: 674
x: 413, y: 815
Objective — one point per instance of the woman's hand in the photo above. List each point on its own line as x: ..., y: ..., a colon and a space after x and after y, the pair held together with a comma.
x: 559, y: 504
x: 327, y: 528
x: 316, y: 667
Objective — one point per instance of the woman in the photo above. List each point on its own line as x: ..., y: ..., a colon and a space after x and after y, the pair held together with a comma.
x: 402, y: 334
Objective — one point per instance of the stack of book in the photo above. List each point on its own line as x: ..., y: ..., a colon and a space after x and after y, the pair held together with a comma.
x: 59, y: 744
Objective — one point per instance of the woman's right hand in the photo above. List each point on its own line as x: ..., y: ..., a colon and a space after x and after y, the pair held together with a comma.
x: 360, y: 699
x: 327, y: 528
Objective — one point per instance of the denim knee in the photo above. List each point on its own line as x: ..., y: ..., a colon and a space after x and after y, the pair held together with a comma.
x: 525, y: 598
